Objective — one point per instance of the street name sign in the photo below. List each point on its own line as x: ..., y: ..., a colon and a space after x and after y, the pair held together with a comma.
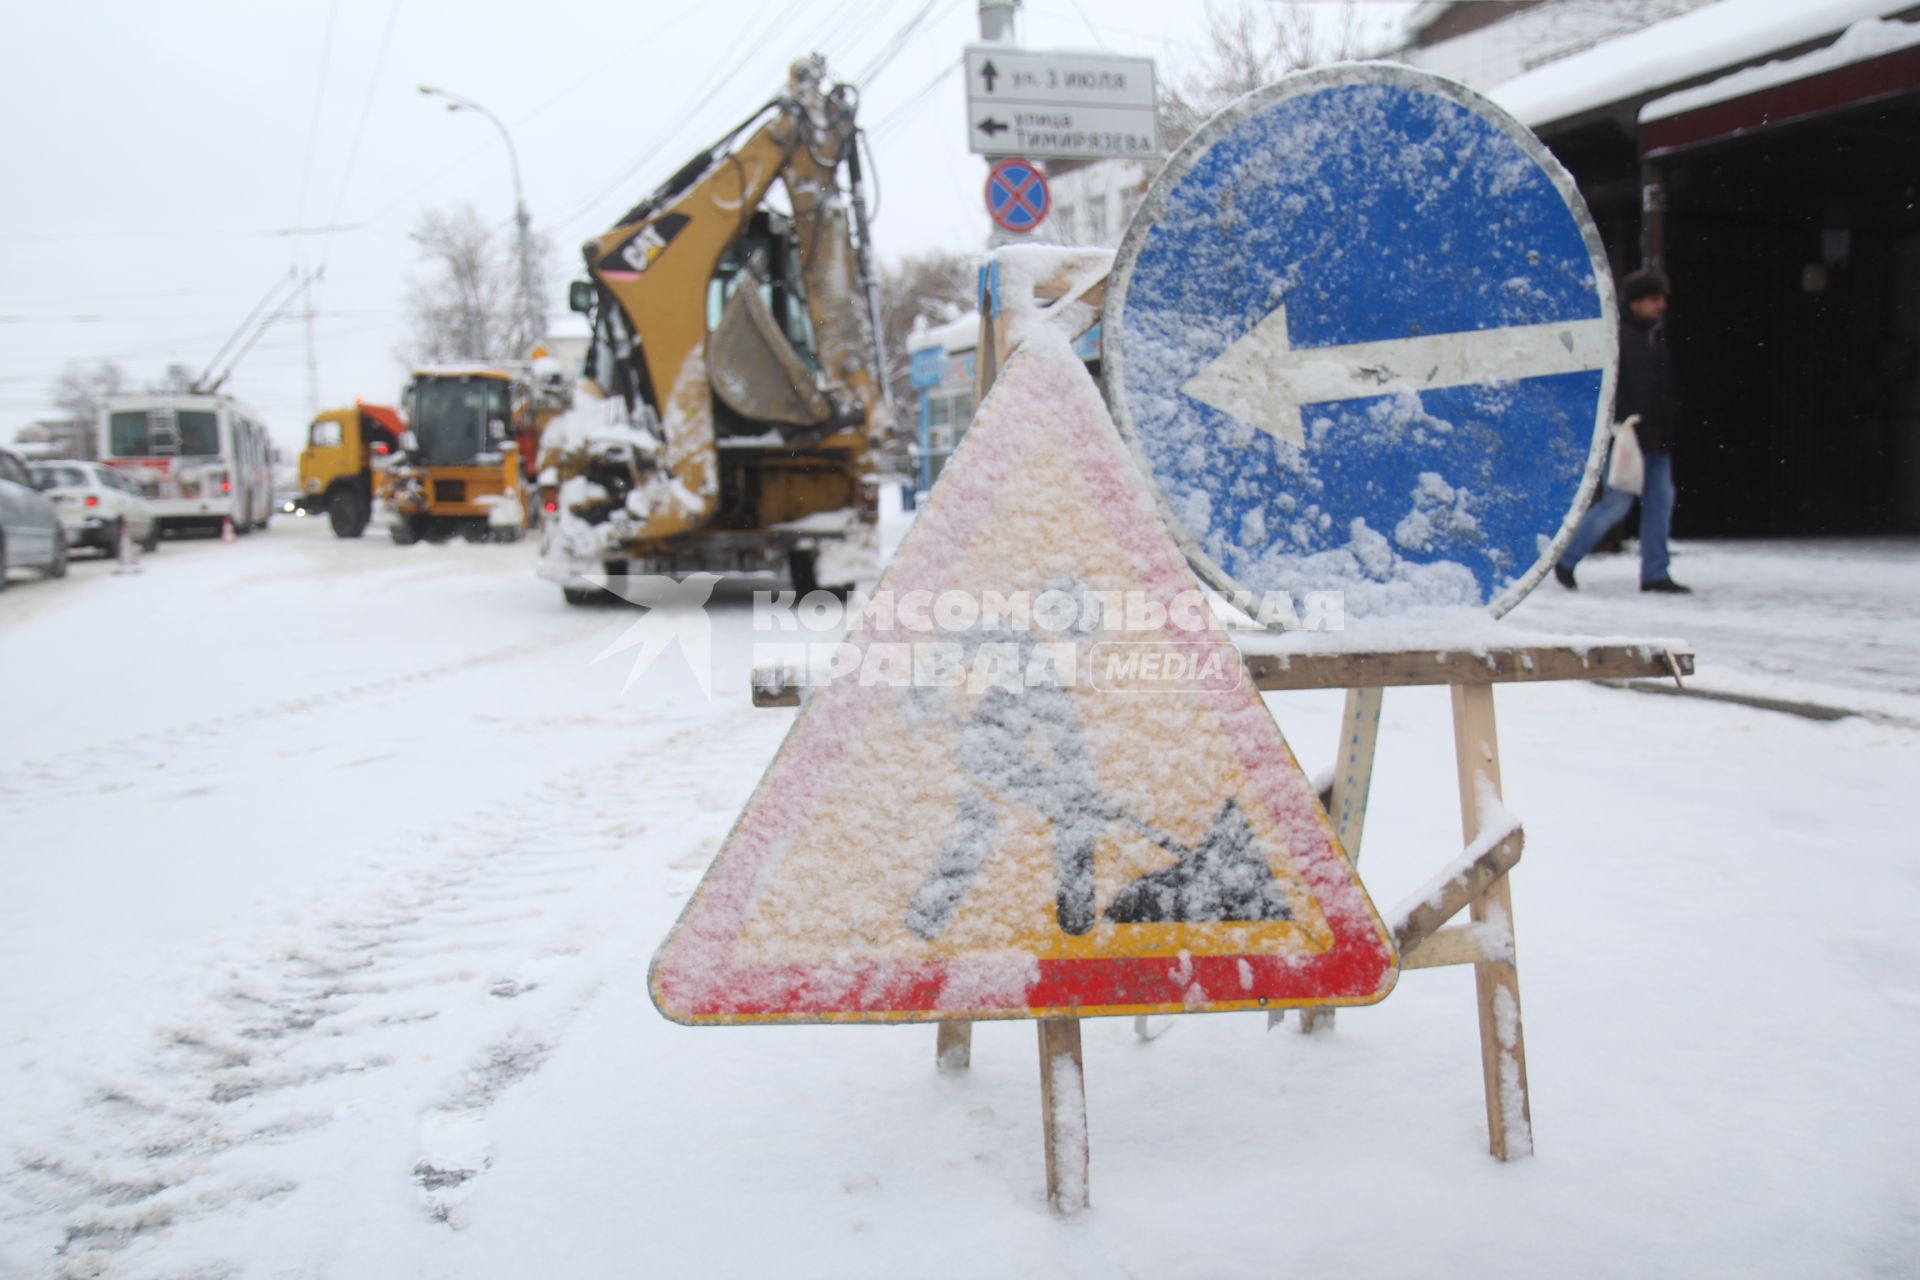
x: 1059, y: 105
x: 1362, y: 336
x: 1103, y: 819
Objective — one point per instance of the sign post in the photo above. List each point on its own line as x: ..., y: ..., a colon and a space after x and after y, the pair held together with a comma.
x: 1059, y: 106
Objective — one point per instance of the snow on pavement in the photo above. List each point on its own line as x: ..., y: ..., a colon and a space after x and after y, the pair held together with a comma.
x: 1834, y: 621
x: 329, y: 873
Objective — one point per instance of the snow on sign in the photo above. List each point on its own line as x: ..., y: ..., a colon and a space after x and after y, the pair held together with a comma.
x: 1017, y: 196
x: 1062, y: 831
x: 1361, y: 336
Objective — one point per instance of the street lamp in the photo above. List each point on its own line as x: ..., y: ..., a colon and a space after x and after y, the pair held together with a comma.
x: 457, y: 103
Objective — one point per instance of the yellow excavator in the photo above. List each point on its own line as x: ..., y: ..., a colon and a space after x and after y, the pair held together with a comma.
x: 734, y: 386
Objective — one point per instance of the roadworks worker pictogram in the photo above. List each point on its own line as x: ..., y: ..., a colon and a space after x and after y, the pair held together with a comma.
x: 1063, y: 841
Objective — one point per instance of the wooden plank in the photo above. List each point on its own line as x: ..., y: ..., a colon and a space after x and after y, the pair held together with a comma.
x: 1063, y: 1111
x: 953, y: 1051
x: 1347, y: 804
x: 1458, y: 945
x: 1503, y: 1054
x: 1469, y: 885
x: 990, y: 351
x: 775, y: 694
x: 1500, y: 665
x: 1273, y: 673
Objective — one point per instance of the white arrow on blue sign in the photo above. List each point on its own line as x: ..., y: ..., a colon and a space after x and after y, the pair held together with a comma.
x: 1362, y: 337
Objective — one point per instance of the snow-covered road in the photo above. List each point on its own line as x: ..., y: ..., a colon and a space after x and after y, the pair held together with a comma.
x: 329, y: 873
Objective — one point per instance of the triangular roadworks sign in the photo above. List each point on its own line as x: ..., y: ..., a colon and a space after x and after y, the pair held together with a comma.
x: 1085, y: 810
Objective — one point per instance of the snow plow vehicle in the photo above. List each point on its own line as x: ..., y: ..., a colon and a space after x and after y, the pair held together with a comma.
x: 343, y: 469
x: 463, y: 471
x: 734, y: 386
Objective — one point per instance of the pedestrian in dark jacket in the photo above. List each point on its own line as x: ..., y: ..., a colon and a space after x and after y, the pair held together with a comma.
x: 1644, y: 391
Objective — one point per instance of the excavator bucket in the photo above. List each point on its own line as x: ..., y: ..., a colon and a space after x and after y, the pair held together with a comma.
x: 755, y: 370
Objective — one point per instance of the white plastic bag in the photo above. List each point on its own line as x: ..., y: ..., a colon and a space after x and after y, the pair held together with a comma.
x: 1626, y: 465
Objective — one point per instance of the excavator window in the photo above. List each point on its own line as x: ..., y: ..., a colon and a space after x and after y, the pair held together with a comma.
x: 765, y: 253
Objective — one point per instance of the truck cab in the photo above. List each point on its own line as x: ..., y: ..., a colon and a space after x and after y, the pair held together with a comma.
x: 343, y: 468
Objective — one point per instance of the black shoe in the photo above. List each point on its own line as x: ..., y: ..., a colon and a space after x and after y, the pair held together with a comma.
x: 1668, y: 586
x: 1564, y: 576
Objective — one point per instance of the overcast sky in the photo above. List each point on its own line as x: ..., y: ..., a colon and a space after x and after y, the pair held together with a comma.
x: 160, y: 159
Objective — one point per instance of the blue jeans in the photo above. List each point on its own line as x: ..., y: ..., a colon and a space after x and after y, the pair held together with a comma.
x: 1656, y: 517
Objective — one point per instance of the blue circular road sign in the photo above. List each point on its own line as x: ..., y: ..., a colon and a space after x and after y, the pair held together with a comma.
x: 1017, y: 195
x: 1362, y: 338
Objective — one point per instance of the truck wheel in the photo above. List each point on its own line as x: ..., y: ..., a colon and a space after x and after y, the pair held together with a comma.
x: 57, y: 567
x: 802, y: 570
x: 405, y: 531
x: 476, y: 532
x: 345, y: 514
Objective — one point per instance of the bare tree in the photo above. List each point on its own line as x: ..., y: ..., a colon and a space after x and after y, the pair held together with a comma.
x: 1251, y: 46
x: 79, y: 389
x: 467, y: 307
x: 936, y: 287
x: 178, y: 377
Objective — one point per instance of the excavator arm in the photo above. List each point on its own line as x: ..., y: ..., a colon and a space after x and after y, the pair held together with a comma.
x: 697, y: 310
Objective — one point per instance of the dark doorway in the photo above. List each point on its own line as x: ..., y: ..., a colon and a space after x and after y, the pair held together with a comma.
x: 1795, y: 257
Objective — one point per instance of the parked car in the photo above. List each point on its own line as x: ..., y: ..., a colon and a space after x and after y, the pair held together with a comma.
x: 30, y: 533
x: 94, y: 502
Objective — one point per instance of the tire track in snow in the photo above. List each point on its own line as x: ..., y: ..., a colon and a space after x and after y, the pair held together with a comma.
x: 123, y: 763
x: 485, y: 954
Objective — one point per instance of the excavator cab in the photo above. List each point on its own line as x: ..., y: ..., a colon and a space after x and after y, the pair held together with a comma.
x: 463, y: 471
x: 457, y: 419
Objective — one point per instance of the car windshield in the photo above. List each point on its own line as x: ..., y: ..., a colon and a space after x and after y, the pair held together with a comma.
x: 451, y: 417
x: 161, y: 433
x: 61, y: 477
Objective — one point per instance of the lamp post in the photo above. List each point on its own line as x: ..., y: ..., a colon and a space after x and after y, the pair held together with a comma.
x: 457, y: 103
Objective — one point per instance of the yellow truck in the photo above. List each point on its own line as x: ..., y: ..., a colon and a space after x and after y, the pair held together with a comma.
x: 343, y: 467
x: 463, y: 469
x: 734, y: 386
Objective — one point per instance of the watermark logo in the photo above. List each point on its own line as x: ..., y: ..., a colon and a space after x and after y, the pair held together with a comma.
x: 1064, y: 635
x: 676, y: 614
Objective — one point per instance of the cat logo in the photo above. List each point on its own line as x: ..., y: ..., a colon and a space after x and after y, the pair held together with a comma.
x: 631, y: 259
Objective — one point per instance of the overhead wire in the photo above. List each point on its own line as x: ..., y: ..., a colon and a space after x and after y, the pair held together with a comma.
x: 360, y: 128
x: 319, y: 100
x: 855, y: 22
x: 880, y: 126
x: 574, y: 210
x: 891, y: 50
x: 652, y: 36
x: 1095, y: 31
